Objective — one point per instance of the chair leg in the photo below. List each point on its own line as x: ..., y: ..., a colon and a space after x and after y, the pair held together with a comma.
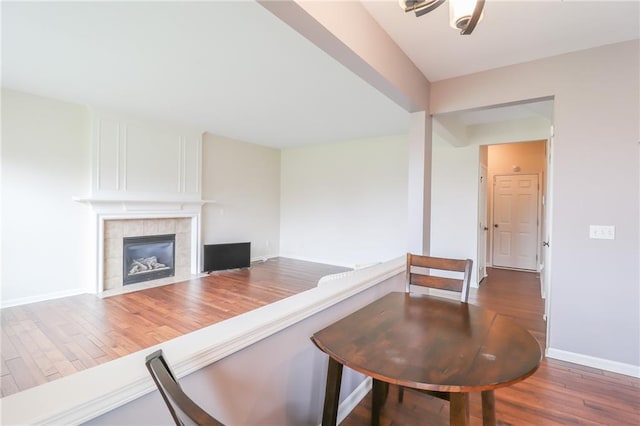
x: 400, y: 394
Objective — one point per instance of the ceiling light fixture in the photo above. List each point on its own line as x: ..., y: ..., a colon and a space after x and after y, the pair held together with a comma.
x: 464, y: 15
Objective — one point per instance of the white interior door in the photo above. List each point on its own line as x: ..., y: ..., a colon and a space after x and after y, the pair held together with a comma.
x: 515, y: 221
x: 482, y: 223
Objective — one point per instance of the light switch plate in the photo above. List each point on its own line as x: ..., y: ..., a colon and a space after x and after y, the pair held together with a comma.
x: 602, y: 232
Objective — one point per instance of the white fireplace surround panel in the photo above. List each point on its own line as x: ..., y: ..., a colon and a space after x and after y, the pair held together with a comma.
x: 138, y: 159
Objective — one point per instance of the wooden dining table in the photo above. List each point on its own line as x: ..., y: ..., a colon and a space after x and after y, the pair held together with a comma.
x: 431, y: 343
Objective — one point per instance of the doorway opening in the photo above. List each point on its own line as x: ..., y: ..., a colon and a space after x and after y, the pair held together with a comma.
x: 463, y: 141
x: 514, y: 191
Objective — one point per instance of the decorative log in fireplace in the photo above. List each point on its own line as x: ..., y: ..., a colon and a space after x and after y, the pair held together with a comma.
x: 148, y: 258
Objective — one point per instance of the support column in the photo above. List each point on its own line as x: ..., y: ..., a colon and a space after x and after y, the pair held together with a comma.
x: 419, y: 200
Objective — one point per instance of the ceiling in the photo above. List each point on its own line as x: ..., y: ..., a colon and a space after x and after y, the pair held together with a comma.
x: 234, y: 69
x: 510, y: 32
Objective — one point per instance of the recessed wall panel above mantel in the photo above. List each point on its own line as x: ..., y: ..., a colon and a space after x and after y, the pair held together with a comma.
x: 140, y: 159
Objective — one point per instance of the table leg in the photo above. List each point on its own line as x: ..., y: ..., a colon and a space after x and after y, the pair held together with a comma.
x: 488, y: 408
x: 459, y: 409
x: 332, y: 393
x: 379, y: 397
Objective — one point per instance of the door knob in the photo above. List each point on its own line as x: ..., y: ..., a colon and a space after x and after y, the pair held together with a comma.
x: 495, y: 225
x: 485, y: 228
x: 545, y: 243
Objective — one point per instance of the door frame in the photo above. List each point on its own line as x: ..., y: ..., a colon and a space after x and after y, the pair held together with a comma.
x: 545, y: 275
x: 483, y: 226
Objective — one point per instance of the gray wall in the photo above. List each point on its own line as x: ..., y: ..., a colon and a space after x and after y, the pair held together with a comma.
x: 595, y: 300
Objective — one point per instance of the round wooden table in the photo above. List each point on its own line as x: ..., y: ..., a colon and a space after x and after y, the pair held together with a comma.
x: 430, y: 343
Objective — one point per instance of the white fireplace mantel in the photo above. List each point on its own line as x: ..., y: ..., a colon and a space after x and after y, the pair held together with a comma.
x: 104, y: 205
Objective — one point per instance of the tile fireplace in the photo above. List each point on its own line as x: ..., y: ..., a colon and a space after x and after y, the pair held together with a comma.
x: 146, y: 249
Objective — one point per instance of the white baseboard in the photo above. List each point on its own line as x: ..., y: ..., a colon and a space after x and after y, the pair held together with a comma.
x: 353, y: 399
x: 316, y: 260
x: 590, y: 361
x: 42, y: 297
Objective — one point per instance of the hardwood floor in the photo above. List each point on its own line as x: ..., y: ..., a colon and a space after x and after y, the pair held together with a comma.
x: 48, y: 340
x: 559, y: 393
x: 44, y: 341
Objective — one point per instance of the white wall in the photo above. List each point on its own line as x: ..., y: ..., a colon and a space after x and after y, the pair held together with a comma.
x: 46, y: 160
x: 521, y: 130
x: 45, y: 235
x: 244, y: 181
x: 595, y: 284
x: 345, y: 204
x: 454, y: 201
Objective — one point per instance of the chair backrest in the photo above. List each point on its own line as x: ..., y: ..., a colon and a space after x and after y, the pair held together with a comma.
x: 183, y: 410
x: 419, y: 269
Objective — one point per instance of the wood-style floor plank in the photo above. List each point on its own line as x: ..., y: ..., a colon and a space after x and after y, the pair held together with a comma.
x: 49, y: 340
x: 45, y: 341
x: 559, y: 393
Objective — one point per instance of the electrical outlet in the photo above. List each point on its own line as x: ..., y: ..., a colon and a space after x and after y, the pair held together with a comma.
x: 602, y: 232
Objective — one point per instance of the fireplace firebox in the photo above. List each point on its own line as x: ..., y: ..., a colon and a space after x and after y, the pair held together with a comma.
x: 148, y: 258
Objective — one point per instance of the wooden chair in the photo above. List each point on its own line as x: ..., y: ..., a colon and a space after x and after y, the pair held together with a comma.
x: 418, y: 273
x: 424, y: 278
x: 183, y: 410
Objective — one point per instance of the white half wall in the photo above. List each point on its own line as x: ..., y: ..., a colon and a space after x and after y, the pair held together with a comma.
x: 278, y: 380
x: 345, y: 204
x: 595, y: 284
x: 244, y: 181
x: 45, y: 234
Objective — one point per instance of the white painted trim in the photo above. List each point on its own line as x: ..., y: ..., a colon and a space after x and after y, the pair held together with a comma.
x: 121, y: 157
x: 126, y: 204
x: 42, y: 297
x: 181, y: 166
x: 199, y: 166
x: 590, y: 361
x: 77, y: 398
x: 352, y: 401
